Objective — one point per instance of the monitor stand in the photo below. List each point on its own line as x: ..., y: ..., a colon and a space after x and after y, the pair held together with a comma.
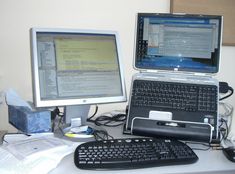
x: 2, y: 133
x: 76, y: 111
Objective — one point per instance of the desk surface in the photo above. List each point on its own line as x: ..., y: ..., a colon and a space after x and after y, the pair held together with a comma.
x: 210, y: 162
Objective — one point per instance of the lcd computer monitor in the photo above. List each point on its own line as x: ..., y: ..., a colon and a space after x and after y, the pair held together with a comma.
x: 178, y: 42
x: 76, y: 68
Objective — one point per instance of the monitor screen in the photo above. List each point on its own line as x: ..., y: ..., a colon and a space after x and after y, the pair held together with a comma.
x: 76, y: 67
x: 178, y: 42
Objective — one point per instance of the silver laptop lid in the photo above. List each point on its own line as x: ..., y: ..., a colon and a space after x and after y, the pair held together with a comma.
x: 176, y: 42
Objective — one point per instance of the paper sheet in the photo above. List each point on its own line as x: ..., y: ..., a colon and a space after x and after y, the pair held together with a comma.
x: 35, y: 147
x: 41, y: 165
x: 41, y: 162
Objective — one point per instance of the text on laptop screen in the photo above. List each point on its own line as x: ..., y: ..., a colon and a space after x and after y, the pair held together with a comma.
x: 178, y: 42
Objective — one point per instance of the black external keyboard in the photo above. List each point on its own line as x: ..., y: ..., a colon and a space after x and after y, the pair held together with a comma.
x: 180, y: 96
x: 132, y: 153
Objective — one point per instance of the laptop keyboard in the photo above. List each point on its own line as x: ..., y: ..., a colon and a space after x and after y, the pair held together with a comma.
x: 180, y: 96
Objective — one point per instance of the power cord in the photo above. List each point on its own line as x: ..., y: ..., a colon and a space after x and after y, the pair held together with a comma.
x: 223, y: 131
x: 109, y: 120
x: 225, y: 119
x: 204, y: 146
x: 101, y: 135
x: 89, y: 119
x: 224, y: 88
x: 226, y: 111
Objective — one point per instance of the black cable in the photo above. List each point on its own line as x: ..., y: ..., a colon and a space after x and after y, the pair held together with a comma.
x: 3, y: 137
x: 105, y: 120
x: 226, y: 128
x: 231, y: 93
x: 90, y: 118
x: 225, y: 88
x: 203, y: 144
x: 110, y: 121
x: 101, y: 135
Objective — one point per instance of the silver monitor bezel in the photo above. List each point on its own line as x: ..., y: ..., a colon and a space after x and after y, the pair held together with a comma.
x: 38, y: 102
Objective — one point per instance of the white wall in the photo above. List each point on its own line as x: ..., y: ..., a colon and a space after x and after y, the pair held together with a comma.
x: 18, y: 16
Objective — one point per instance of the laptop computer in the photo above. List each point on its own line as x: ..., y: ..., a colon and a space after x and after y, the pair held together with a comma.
x: 176, y: 49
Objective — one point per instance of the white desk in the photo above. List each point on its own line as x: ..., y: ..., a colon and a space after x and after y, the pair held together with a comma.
x: 210, y: 162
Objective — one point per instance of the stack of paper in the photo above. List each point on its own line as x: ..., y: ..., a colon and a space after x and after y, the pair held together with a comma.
x: 37, y: 155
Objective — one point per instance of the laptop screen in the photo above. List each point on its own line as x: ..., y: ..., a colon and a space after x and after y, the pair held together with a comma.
x: 178, y: 42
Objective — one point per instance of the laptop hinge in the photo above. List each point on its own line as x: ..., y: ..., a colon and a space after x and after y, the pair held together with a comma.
x: 201, y: 74
x: 197, y: 74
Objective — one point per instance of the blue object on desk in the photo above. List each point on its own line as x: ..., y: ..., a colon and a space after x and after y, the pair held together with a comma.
x: 29, y: 121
